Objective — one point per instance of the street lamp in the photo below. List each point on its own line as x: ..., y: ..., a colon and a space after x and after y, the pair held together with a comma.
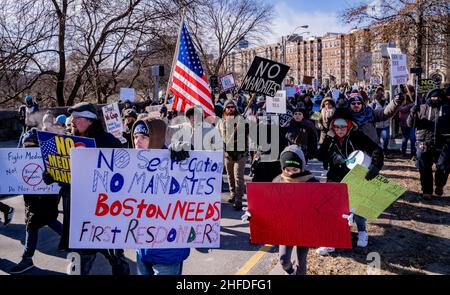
x: 284, y: 43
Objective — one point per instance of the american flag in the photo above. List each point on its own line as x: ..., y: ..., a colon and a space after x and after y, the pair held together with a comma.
x: 189, y: 83
x: 48, y: 147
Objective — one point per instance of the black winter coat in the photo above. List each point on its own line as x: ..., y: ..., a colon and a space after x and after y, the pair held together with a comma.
x: 356, y: 140
x: 40, y: 210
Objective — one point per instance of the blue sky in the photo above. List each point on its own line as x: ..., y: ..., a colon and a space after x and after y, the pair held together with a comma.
x: 321, y: 16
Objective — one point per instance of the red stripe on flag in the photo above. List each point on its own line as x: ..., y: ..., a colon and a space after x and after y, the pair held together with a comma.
x: 191, y: 92
x: 191, y: 79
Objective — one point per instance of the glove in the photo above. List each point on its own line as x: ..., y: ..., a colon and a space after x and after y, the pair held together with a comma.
x: 415, y: 109
x: 337, y: 159
x: 247, y: 215
x: 179, y: 151
x: 373, y: 172
x: 47, y: 178
x: 349, y: 217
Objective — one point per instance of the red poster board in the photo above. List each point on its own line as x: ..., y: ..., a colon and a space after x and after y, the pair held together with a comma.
x: 299, y: 214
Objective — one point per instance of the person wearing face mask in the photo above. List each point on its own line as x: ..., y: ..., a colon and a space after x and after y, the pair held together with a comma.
x: 129, y: 117
x: 343, y: 139
x: 432, y: 123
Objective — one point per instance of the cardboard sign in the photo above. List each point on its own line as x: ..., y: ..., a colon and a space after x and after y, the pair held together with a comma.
x: 426, y: 85
x: 55, y: 149
x: 227, y: 82
x: 308, y: 80
x: 299, y: 214
x: 21, y: 172
x: 113, y: 121
x: 127, y: 94
x: 129, y: 198
x: 370, y: 198
x: 265, y: 76
x: 277, y: 104
x: 399, y: 69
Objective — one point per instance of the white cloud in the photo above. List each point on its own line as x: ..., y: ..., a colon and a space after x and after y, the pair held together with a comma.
x: 320, y: 22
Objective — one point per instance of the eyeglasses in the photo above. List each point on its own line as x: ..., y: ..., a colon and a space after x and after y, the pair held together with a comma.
x: 356, y: 103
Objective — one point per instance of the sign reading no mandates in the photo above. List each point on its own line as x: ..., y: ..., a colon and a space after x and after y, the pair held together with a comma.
x: 265, y: 76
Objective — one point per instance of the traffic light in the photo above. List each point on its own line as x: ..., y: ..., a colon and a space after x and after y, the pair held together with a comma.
x: 158, y: 71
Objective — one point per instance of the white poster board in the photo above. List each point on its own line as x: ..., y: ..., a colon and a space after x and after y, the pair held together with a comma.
x: 127, y: 94
x: 132, y: 199
x: 227, y: 82
x: 399, y: 69
x: 113, y: 121
x: 277, y: 104
x: 21, y: 172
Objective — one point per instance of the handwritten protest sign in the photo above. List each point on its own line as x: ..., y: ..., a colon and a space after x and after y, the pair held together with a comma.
x: 124, y: 198
x: 227, y: 82
x: 55, y: 150
x: 370, y: 198
x: 264, y: 76
x: 21, y: 172
x: 399, y: 70
x: 299, y: 214
x: 113, y: 120
x: 277, y: 104
x: 127, y: 94
x: 426, y: 85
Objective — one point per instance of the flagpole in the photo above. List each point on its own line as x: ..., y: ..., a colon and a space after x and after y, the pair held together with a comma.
x: 175, y: 56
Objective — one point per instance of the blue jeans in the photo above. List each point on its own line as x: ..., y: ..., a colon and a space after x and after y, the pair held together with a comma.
x: 409, y: 134
x: 31, y: 237
x: 383, y: 135
x: 360, y: 223
x: 150, y: 269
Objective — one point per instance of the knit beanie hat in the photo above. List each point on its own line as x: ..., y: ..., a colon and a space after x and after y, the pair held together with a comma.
x: 141, y: 128
x: 292, y: 156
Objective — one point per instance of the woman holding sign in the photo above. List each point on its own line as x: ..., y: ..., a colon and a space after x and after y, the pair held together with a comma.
x: 150, y: 134
x: 343, y: 139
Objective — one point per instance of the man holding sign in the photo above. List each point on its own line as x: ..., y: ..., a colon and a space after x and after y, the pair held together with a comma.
x: 86, y: 123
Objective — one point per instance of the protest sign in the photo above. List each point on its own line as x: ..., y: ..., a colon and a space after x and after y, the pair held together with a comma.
x: 227, y: 82
x: 335, y: 93
x: 113, y: 121
x: 399, y: 69
x: 21, y: 172
x: 370, y: 198
x: 127, y: 94
x: 308, y: 80
x: 291, y: 91
x: 127, y: 198
x: 286, y: 118
x: 55, y: 149
x: 277, y: 104
x: 426, y: 85
x: 264, y: 76
x: 299, y: 214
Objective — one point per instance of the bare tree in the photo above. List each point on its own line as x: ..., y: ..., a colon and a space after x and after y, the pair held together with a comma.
x: 217, y: 26
x: 97, y: 36
x: 408, y: 21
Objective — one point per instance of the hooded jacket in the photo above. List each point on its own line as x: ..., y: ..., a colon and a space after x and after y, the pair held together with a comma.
x: 304, y: 176
x: 354, y: 140
x: 432, y: 122
x: 325, y: 115
x: 157, y: 129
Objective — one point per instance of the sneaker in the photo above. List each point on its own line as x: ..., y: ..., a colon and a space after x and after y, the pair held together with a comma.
x: 8, y: 215
x: 325, y: 251
x: 363, y: 239
x: 439, y: 191
x: 24, y: 265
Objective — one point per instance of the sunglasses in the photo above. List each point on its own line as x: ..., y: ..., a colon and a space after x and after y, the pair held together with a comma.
x: 230, y: 107
x: 356, y: 103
